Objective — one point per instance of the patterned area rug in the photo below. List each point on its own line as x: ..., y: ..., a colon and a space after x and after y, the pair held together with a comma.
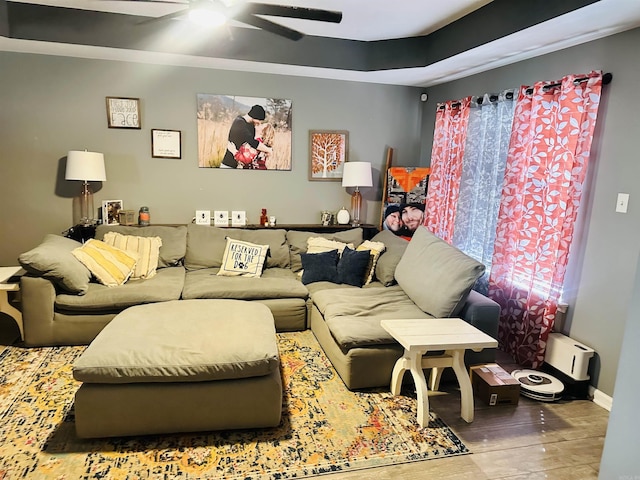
x: 325, y: 428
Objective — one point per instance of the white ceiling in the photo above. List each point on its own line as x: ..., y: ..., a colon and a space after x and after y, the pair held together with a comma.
x: 372, y: 20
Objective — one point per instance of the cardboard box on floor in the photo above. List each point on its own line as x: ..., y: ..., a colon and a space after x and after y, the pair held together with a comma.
x: 493, y: 385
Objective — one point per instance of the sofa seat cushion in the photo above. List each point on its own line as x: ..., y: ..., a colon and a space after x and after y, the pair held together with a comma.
x: 353, y: 314
x: 273, y: 284
x: 182, y: 341
x: 165, y: 285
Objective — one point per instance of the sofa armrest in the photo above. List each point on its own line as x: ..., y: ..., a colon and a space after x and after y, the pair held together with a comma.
x: 481, y: 312
x: 38, y: 298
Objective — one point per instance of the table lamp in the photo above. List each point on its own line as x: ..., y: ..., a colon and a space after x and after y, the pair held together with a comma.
x: 356, y: 174
x: 88, y: 167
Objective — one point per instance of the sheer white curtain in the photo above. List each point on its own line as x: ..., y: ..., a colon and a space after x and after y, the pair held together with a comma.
x: 485, y: 157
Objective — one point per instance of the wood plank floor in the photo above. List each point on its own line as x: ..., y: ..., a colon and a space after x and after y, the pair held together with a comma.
x: 534, y: 440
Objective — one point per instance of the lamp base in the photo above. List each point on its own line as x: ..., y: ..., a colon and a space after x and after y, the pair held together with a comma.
x: 356, y: 204
x: 86, y: 205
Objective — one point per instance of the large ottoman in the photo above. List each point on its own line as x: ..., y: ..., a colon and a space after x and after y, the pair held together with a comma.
x: 180, y: 366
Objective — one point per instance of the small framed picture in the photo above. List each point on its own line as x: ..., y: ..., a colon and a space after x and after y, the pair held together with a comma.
x: 238, y: 218
x: 111, y: 212
x: 221, y: 218
x: 166, y: 143
x: 123, y: 112
x: 328, y: 151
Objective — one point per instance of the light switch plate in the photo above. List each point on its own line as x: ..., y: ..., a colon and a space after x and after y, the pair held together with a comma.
x: 622, y: 203
x: 238, y: 218
x: 221, y: 218
x: 203, y: 217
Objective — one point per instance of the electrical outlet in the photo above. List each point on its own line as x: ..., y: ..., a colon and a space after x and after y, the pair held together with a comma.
x: 203, y: 217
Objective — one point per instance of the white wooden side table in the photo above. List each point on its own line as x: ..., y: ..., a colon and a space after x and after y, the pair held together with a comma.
x: 8, y: 284
x: 419, y: 336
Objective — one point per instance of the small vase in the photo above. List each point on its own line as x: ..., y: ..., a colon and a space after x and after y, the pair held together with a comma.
x: 343, y: 216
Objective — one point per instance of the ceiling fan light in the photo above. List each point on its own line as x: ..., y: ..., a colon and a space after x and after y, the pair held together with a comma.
x: 207, y: 17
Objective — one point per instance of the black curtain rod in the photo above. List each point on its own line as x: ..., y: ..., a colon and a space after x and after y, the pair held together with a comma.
x: 606, y: 80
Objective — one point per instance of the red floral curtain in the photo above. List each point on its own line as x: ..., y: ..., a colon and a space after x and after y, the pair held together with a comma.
x: 447, y: 153
x: 546, y: 167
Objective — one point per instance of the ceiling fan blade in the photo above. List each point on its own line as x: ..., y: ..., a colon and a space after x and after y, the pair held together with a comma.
x: 269, y: 26
x: 293, y: 12
x: 162, y: 18
x: 170, y: 2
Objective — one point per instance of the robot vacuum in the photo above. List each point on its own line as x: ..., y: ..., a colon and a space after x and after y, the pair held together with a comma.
x: 539, y: 385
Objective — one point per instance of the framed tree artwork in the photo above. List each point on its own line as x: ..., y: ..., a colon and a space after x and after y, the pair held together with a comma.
x: 328, y: 152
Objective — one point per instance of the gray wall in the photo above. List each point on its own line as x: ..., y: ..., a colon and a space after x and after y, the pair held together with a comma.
x: 620, y: 455
x: 603, y: 268
x: 50, y: 105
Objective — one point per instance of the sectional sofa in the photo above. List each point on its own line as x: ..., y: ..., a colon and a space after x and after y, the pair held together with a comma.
x: 63, y: 304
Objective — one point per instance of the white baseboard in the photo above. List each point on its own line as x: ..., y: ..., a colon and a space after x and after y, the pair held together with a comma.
x: 601, y: 399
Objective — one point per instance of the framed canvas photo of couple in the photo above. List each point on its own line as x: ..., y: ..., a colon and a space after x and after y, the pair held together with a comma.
x: 244, y: 133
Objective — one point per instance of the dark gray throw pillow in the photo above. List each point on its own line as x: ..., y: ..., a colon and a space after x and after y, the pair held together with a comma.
x: 352, y: 267
x: 320, y: 267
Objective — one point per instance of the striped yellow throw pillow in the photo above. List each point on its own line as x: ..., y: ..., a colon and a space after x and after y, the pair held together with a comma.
x: 146, y: 248
x: 110, y: 265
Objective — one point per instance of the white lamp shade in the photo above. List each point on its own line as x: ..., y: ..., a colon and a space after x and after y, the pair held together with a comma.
x: 83, y: 165
x: 357, y: 174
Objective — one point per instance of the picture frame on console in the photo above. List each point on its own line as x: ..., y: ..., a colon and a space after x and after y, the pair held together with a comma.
x: 328, y: 152
x: 111, y: 211
x: 123, y: 112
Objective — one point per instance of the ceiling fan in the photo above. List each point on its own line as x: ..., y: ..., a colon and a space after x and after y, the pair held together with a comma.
x: 216, y: 12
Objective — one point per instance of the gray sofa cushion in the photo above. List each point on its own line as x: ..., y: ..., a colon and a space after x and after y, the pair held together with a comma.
x: 388, y: 261
x: 53, y: 260
x: 298, y: 242
x: 165, y: 285
x: 353, y: 314
x: 274, y: 283
x: 205, y: 245
x: 174, y: 240
x: 435, y: 275
x: 182, y: 341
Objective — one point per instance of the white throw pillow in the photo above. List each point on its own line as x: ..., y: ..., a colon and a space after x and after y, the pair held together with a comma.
x: 243, y: 259
x: 146, y: 248
x: 321, y: 245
